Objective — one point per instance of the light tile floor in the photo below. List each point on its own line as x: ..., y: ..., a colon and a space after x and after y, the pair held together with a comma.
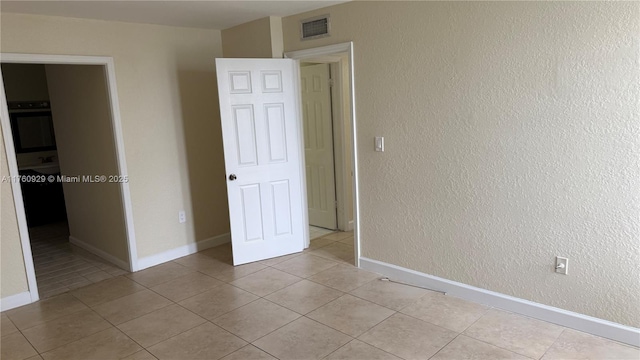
x: 316, y: 232
x: 311, y: 305
x: 61, y: 266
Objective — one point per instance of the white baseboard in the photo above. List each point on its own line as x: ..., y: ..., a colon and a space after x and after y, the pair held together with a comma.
x: 607, y: 329
x: 14, y: 301
x: 100, y: 253
x: 350, y: 226
x: 157, y: 259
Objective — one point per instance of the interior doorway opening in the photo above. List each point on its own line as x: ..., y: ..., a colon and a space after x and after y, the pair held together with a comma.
x: 62, y: 135
x: 327, y: 110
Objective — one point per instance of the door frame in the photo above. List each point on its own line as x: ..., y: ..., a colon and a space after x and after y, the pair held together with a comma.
x: 116, y: 124
x: 324, y: 51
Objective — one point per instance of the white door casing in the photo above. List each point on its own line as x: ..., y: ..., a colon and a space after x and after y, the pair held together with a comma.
x: 318, y: 144
x: 262, y: 150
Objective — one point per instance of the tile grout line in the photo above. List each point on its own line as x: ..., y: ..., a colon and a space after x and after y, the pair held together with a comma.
x: 459, y: 334
x: 554, y: 342
x: 114, y: 326
x: 84, y: 337
x: 485, y: 342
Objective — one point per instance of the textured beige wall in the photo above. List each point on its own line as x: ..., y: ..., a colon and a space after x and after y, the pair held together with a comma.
x: 82, y: 123
x: 25, y: 82
x: 248, y: 40
x: 277, y: 37
x: 170, y: 119
x: 512, y: 135
x: 13, y: 277
x: 260, y: 38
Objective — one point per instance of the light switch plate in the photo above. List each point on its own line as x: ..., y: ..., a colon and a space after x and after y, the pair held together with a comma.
x: 378, y: 143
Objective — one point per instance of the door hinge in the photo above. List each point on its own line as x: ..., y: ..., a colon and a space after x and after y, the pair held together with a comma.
x: 335, y: 203
x: 331, y: 82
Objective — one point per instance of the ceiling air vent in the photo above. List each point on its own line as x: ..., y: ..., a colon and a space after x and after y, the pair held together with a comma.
x: 315, y: 27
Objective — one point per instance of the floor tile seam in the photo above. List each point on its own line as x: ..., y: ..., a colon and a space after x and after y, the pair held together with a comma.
x: 139, y: 316
x: 298, y: 318
x: 308, y: 276
x: 83, y: 337
x: 164, y: 283
x: 112, y: 327
x: 329, y: 286
x: 227, y: 312
x: 525, y: 317
x: 500, y: 347
x: 371, y: 301
x: 83, y: 277
x: 429, y: 322
x: 326, y: 257
x: 181, y: 332
x: 319, y: 247
x: 503, y: 348
x: 554, y: 342
x: 376, y: 324
x: 432, y: 324
x: 70, y: 259
x: 364, y: 342
x: 342, y: 332
x: 49, y: 262
x: 227, y: 283
x: 241, y: 277
x: 71, y: 292
x: 45, y: 287
x: 26, y: 338
x: 75, y: 267
x: 261, y: 349
x: 273, y: 302
x: 342, y: 293
x: 55, y: 318
x: 252, y: 342
x: 40, y: 273
x: 147, y: 348
x: 262, y: 296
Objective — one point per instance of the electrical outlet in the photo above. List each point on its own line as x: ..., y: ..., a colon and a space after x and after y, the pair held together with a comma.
x: 562, y: 265
x: 182, y: 216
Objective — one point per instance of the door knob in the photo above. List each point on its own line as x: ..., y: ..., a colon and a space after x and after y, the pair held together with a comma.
x: 232, y: 177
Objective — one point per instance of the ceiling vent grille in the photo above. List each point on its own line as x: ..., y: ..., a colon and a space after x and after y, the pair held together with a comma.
x: 315, y: 27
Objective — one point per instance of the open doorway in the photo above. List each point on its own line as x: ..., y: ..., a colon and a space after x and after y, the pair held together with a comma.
x: 264, y: 157
x: 328, y: 126
x: 63, y: 152
x: 317, y: 118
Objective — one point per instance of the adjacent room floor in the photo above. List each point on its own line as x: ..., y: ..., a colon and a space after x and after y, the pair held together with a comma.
x: 311, y: 305
x: 316, y: 232
x: 61, y: 266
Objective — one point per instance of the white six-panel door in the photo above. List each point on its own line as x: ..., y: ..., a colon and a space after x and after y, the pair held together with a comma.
x: 262, y: 157
x: 318, y: 145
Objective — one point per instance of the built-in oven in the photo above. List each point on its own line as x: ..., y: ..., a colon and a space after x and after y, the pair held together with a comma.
x: 32, y: 126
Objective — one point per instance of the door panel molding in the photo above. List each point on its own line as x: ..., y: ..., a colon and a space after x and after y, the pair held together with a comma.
x: 262, y: 150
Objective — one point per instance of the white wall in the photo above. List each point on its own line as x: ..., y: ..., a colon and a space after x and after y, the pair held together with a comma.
x: 512, y: 135
x: 170, y: 119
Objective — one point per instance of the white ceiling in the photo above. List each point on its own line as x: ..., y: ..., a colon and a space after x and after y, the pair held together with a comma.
x: 200, y: 14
